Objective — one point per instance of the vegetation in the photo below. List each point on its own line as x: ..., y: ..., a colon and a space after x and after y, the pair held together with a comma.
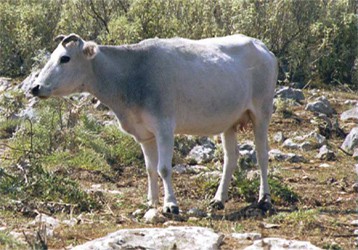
x: 53, y: 152
x: 315, y: 41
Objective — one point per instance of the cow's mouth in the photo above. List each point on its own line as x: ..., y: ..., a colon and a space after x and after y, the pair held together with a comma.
x: 35, y: 91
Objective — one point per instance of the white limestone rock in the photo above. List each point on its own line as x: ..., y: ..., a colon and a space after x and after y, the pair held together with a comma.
x: 281, y: 244
x: 194, y: 238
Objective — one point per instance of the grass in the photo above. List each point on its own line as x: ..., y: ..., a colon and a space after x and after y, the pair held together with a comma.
x: 9, y: 242
x: 53, y: 159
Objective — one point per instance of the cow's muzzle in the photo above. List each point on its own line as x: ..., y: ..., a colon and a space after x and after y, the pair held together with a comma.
x: 35, y: 90
x: 39, y: 92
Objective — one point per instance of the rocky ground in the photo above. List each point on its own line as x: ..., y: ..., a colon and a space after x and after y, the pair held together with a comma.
x: 314, y: 152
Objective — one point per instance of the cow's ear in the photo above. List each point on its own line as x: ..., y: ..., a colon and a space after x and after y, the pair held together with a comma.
x: 90, y: 49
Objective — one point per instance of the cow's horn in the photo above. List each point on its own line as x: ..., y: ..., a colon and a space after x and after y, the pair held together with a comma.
x: 59, y: 38
x: 70, y: 38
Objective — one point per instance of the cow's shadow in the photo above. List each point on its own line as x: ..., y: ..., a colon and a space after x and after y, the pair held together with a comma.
x: 254, y: 210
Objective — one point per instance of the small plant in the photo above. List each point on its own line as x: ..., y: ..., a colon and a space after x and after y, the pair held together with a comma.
x: 304, y: 218
x: 8, y: 242
x: 283, y: 107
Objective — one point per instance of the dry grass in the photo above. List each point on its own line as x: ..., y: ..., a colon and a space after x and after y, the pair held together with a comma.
x: 326, y: 206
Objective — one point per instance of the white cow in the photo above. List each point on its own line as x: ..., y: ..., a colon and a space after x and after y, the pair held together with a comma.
x: 161, y: 87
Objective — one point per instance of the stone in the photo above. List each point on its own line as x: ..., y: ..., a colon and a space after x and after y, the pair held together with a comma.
x: 5, y: 84
x: 279, y: 137
x: 276, y: 154
x: 201, y: 154
x: 100, y: 106
x: 196, y: 212
x: 208, y: 175
x: 294, y: 158
x: 355, y: 187
x: 355, y: 154
x: 248, y: 145
x: 351, y: 102
x: 324, y: 165
x: 246, y: 236
x: 326, y: 154
x: 351, y: 141
x: 182, y: 168
x: 51, y: 223
x: 281, y: 244
x: 350, y: 114
x: 307, y: 142
x: 26, y: 84
x: 194, y: 238
x: 290, y: 93
x: 321, y: 105
x: 354, y: 223
x: 153, y: 216
x: 290, y: 144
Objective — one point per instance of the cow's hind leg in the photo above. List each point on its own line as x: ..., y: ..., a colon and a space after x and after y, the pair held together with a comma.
x: 230, y: 162
x: 150, y: 152
x: 260, y: 124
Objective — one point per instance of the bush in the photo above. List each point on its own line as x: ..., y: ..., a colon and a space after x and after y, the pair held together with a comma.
x: 315, y: 40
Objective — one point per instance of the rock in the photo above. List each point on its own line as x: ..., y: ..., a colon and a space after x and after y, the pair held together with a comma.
x: 246, y: 236
x: 355, y: 187
x: 316, y: 139
x: 138, y: 213
x: 350, y: 114
x: 277, y: 155
x: 289, y: 144
x: 182, y: 168
x: 308, y: 142
x: 194, y: 238
x: 208, y: 175
x: 279, y: 137
x: 5, y: 84
x: 152, y: 216
x: 321, y: 105
x: 196, y: 213
x: 326, y: 154
x: 100, y: 106
x: 201, y: 154
x: 281, y: 244
x: 27, y: 84
x: 355, y: 154
x: 351, y: 102
x: 71, y: 222
x: 248, y: 145
x: 290, y: 93
x: 294, y: 158
x: 51, y: 223
x: 351, y: 141
x: 324, y: 165
x: 354, y: 223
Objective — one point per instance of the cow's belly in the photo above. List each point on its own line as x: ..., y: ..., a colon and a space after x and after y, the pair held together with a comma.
x: 196, y: 123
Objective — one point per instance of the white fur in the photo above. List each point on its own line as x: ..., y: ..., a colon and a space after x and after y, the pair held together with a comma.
x: 162, y: 87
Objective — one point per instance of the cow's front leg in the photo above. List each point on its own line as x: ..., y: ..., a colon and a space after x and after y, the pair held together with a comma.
x: 230, y: 158
x: 150, y: 152
x: 165, y: 143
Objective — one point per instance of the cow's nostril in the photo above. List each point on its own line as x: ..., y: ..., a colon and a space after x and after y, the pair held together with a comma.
x: 35, y: 90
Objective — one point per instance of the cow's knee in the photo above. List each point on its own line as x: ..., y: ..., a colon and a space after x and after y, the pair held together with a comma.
x: 164, y: 172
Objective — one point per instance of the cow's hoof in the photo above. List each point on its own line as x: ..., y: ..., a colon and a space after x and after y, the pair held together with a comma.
x: 171, y: 209
x: 216, y: 205
x: 266, y: 206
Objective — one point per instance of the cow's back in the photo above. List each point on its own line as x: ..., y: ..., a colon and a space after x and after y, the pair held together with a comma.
x: 208, y: 84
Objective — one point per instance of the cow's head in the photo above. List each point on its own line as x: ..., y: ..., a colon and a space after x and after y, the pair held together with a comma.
x: 68, y: 69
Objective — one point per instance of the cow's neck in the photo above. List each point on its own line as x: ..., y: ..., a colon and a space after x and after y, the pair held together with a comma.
x: 113, y: 82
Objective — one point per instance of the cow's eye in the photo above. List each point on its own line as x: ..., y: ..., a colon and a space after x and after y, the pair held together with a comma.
x: 65, y: 59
